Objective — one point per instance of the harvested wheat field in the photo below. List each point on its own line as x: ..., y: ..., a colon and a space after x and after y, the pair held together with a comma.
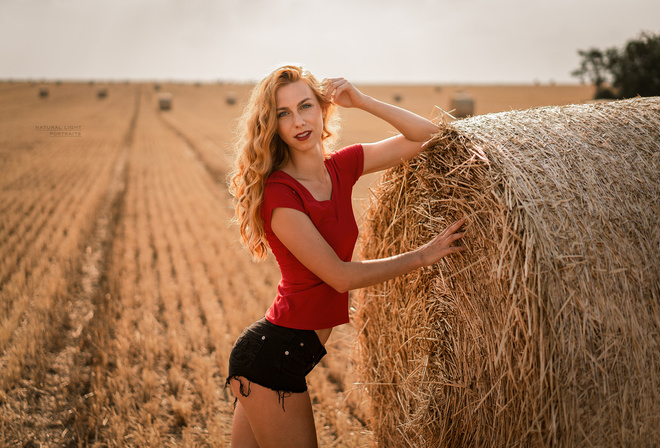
x: 545, y: 332
x: 122, y: 282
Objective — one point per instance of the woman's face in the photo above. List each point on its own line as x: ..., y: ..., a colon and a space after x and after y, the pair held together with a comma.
x: 299, y: 116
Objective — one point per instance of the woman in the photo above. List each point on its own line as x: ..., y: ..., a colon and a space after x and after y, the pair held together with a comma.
x: 294, y: 197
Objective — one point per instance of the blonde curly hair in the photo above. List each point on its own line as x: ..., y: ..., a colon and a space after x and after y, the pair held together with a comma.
x: 260, y: 150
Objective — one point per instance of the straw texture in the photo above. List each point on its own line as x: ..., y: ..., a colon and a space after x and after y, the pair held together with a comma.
x: 546, y: 331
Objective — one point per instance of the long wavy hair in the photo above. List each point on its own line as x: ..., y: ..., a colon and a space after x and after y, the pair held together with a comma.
x: 260, y: 150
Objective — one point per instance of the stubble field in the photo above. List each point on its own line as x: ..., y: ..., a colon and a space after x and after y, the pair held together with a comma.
x: 122, y: 281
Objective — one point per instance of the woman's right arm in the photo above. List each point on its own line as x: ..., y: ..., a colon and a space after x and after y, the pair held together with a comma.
x: 297, y: 232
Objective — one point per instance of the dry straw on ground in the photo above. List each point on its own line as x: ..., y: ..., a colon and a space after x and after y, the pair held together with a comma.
x: 546, y: 331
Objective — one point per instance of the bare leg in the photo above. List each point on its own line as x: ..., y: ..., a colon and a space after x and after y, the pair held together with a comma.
x: 271, y: 426
x: 241, y: 432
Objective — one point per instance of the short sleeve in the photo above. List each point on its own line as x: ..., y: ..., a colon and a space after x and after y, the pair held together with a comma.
x: 278, y: 194
x: 350, y: 162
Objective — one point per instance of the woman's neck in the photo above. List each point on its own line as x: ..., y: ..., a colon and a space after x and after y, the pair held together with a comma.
x: 307, y: 166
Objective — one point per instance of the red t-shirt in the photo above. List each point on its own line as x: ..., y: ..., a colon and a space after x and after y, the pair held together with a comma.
x: 303, y: 300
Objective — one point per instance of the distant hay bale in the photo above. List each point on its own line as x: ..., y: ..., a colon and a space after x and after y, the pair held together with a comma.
x: 43, y: 92
x: 462, y: 105
x: 102, y: 93
x: 231, y: 98
x: 546, y: 331
x: 165, y: 101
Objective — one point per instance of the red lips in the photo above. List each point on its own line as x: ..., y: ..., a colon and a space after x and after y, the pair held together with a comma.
x: 303, y: 135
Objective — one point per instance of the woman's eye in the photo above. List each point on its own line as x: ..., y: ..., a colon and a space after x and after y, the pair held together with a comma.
x: 306, y: 106
x: 281, y: 114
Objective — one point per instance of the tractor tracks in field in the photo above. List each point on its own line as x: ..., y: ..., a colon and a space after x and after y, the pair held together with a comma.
x: 217, y: 174
x: 62, y: 417
x: 99, y: 248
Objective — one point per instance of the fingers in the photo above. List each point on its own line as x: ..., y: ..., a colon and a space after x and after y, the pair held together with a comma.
x: 454, y: 249
x: 336, y: 86
x: 456, y: 225
x: 336, y: 81
x: 454, y: 236
x: 332, y: 84
x: 453, y: 227
x: 442, y: 244
x: 446, y: 238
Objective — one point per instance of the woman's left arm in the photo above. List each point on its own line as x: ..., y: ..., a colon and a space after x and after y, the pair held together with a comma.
x: 415, y: 130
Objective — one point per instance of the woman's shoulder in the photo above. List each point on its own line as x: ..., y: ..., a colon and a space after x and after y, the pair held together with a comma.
x: 349, y: 160
x: 281, y: 190
x: 279, y: 178
x: 347, y: 151
x: 277, y: 184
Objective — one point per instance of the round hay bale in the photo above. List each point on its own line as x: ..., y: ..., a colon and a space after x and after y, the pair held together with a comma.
x: 43, y: 92
x: 546, y: 330
x: 165, y: 101
x: 462, y: 105
x: 102, y: 93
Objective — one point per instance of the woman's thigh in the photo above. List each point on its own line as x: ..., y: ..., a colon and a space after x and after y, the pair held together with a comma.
x: 273, y: 426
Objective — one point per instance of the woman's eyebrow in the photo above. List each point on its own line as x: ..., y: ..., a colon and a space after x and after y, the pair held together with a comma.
x: 301, y: 102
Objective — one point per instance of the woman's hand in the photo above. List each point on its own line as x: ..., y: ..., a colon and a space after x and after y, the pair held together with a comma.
x: 344, y: 94
x: 441, y: 246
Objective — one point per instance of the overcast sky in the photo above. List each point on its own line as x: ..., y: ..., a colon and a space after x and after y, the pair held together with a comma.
x: 368, y: 41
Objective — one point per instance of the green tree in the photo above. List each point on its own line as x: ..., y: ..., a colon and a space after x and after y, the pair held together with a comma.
x: 630, y: 71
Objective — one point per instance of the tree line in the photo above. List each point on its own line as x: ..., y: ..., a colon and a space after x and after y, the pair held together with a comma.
x: 626, y: 72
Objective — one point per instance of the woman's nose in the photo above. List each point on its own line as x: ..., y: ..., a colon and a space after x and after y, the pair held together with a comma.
x: 298, y: 119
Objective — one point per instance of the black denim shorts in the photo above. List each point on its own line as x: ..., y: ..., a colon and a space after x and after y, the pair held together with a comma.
x: 274, y: 357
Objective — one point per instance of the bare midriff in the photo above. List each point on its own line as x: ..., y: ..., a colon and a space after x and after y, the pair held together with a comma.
x: 324, y: 334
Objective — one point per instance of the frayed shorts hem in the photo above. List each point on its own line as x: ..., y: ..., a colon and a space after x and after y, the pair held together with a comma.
x: 281, y: 394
